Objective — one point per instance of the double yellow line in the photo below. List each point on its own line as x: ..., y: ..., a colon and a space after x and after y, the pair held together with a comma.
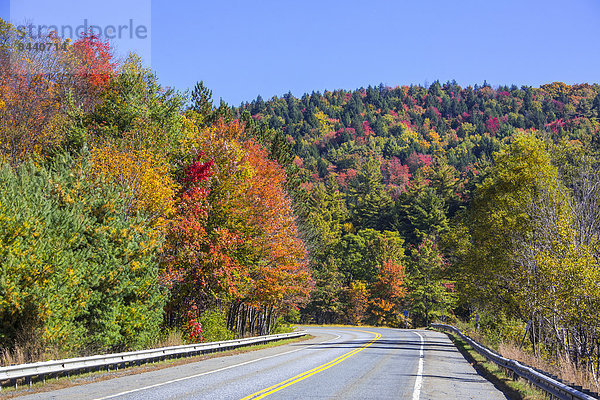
x: 304, y: 375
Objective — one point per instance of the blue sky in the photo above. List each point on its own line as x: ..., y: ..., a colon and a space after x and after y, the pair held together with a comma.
x: 243, y: 49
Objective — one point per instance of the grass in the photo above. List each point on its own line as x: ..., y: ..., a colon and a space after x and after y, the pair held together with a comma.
x: 31, y: 354
x: 564, y: 369
x: 36, y: 353
x: 65, y: 382
x: 171, y: 338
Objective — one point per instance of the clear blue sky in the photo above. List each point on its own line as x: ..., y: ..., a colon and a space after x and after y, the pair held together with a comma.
x: 245, y: 48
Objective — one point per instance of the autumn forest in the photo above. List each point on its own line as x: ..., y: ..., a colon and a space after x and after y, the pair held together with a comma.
x: 130, y: 211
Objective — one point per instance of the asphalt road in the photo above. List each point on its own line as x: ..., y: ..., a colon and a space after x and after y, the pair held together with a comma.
x: 339, y: 363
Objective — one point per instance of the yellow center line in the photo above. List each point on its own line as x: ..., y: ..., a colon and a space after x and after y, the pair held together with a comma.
x: 311, y: 372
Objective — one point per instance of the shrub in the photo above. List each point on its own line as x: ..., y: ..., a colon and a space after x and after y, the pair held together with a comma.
x: 214, y: 325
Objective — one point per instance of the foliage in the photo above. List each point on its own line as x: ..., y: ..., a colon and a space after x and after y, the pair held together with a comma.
x: 430, y: 295
x: 356, y: 206
x: 457, y: 170
x: 386, y: 293
x: 75, y: 269
x: 136, y: 202
x: 143, y: 177
x: 498, y: 216
x: 214, y: 323
x: 234, y: 238
x: 357, y: 299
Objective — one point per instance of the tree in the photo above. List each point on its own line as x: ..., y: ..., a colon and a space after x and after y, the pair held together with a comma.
x: 31, y: 113
x: 92, y: 65
x: 429, y: 294
x: 386, y: 293
x: 325, y: 302
x: 202, y: 100
x: 362, y: 253
x: 134, y: 107
x: 235, y: 239
x: 76, y: 274
x: 369, y: 201
x: 422, y: 211
x: 357, y: 302
x: 143, y: 176
x: 497, y: 217
x: 325, y: 215
x: 283, y: 274
x: 559, y: 258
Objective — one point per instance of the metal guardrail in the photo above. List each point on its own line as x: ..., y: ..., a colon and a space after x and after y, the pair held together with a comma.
x: 41, y: 370
x: 546, y: 383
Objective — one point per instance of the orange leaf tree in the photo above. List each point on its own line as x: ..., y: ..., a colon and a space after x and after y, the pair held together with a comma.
x: 386, y: 293
x: 234, y: 240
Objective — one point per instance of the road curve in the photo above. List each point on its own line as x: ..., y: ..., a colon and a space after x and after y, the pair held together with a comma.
x: 338, y: 363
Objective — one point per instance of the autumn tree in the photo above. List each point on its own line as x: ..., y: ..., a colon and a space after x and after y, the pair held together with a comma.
x: 498, y: 216
x: 357, y: 298
x: 235, y: 240
x: 143, y: 176
x: 386, y: 293
x: 31, y: 115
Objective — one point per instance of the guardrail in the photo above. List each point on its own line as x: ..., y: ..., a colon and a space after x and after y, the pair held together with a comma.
x: 546, y: 383
x: 40, y: 370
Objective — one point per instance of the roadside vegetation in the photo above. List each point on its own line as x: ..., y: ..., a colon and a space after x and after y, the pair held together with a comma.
x: 130, y: 214
x: 514, y: 347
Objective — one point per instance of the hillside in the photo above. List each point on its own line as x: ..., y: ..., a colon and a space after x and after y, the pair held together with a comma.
x: 423, y: 203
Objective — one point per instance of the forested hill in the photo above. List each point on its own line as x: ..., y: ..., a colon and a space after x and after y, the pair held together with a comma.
x: 386, y: 170
x: 390, y: 137
x: 331, y: 131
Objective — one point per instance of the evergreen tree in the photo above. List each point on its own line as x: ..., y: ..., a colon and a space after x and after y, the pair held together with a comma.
x: 429, y: 294
x: 369, y: 201
x: 202, y: 99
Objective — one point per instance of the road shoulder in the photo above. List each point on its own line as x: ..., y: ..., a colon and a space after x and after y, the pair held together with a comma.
x: 448, y: 375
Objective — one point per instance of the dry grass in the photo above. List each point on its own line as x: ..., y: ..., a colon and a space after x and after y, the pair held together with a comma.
x: 8, y: 357
x: 173, y: 338
x: 29, y: 354
x: 512, y: 389
x: 35, y: 353
x: 566, y: 370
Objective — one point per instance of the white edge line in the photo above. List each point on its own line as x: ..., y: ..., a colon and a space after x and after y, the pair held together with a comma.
x: 419, y: 378
x: 208, y: 372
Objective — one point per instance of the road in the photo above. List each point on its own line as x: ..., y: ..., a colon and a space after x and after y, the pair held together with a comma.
x: 338, y: 363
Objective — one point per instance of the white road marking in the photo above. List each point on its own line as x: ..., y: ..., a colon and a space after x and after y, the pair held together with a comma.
x: 419, y: 378
x: 209, y: 372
